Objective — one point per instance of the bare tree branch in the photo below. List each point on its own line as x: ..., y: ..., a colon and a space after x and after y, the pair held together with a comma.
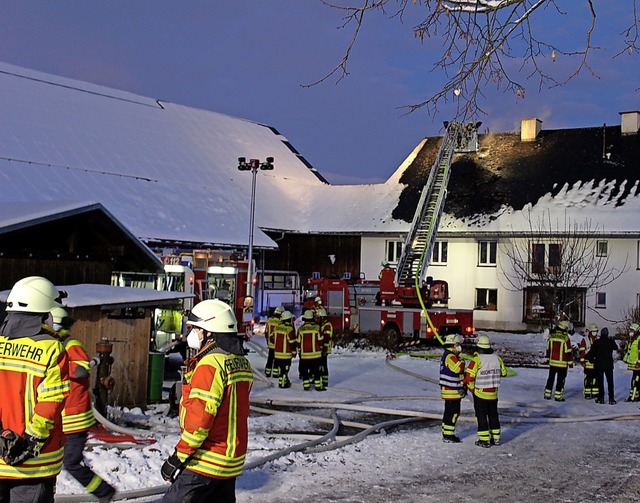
x: 480, y: 38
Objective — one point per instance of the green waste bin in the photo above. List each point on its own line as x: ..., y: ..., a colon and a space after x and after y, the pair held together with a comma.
x: 156, y: 376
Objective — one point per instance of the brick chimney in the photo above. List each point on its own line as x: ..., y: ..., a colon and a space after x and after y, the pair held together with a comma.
x: 630, y: 122
x: 529, y: 129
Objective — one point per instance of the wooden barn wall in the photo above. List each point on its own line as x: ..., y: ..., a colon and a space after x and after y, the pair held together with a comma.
x: 130, y: 339
x: 308, y: 253
x: 59, y: 272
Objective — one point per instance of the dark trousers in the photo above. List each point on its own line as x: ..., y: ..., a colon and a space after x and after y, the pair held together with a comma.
x: 634, y: 390
x: 311, y: 369
x: 450, y: 416
x: 73, y: 462
x: 269, y: 366
x: 600, y: 382
x: 561, y: 374
x: 27, y: 490
x: 590, y: 382
x: 487, y: 418
x: 282, y: 367
x: 192, y: 487
x: 324, y: 366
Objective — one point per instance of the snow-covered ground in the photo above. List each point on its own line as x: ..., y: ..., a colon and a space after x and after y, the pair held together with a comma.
x: 551, y: 451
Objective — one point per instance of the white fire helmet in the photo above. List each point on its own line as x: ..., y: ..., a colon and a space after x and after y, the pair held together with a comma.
x: 34, y: 294
x: 214, y: 316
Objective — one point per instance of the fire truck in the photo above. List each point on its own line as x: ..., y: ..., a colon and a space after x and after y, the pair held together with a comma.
x: 404, y: 302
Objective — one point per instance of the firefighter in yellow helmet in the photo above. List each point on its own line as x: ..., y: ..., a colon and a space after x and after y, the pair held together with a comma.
x: 270, y: 370
x: 633, y: 363
x: 213, y: 410
x: 483, y: 376
x: 452, y: 387
x: 589, y: 337
x: 284, y: 348
x: 560, y: 356
x: 310, y: 347
x: 34, y: 384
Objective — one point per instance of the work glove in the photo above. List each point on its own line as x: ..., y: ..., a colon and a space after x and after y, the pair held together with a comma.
x: 16, y: 450
x: 172, y: 468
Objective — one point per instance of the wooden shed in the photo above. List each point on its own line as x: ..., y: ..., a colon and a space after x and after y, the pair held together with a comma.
x: 121, y: 317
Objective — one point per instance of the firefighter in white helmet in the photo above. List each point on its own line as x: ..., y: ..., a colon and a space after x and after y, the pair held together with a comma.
x: 560, y: 356
x: 34, y: 384
x: 270, y: 370
x: 213, y: 410
x: 633, y: 363
x: 452, y: 387
x: 483, y: 376
x: 77, y: 416
x: 589, y: 337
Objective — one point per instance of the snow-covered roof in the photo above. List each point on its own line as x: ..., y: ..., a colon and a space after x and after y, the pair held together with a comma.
x: 167, y: 172
x: 112, y: 297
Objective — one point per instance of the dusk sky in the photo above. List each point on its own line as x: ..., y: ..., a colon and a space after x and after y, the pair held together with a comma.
x: 252, y: 58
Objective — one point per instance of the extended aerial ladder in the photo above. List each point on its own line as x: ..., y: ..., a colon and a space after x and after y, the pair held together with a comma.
x: 422, y: 234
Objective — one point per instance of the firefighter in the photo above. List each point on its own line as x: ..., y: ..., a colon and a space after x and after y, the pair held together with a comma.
x: 590, y: 387
x: 213, y: 410
x: 483, y: 376
x: 284, y: 348
x: 327, y: 336
x: 272, y: 323
x: 310, y: 347
x: 560, y: 357
x: 34, y: 379
x: 452, y: 387
x: 317, y: 304
x: 77, y: 416
x: 633, y: 363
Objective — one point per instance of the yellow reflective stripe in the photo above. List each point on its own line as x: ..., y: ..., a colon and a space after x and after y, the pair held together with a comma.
x: 23, y: 366
x: 216, y: 465
x: 45, y: 465
x: 78, y: 422
x: 232, y: 426
x: 93, y: 484
x: 204, y: 395
x: 39, y: 426
x: 196, y: 438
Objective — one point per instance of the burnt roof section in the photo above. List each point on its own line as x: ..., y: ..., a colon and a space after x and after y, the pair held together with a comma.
x: 508, y: 171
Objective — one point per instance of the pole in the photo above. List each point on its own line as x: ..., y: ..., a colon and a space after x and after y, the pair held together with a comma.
x: 255, y: 165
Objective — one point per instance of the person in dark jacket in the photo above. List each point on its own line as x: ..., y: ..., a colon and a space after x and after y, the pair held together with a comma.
x: 601, y: 354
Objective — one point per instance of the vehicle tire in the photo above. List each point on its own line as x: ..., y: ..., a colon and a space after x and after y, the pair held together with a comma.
x: 392, y: 336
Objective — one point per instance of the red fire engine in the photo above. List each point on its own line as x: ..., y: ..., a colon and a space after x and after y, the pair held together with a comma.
x: 406, y: 303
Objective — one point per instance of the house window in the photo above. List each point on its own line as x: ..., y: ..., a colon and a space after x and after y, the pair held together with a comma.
x: 487, y: 298
x: 543, y: 303
x: 601, y: 299
x: 394, y: 251
x: 546, y: 258
x: 487, y: 251
x: 439, y: 254
x: 602, y: 249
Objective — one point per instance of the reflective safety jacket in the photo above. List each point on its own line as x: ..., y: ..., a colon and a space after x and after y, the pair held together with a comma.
x: 285, y: 342
x: 327, y: 336
x: 270, y: 330
x: 34, y: 383
x: 559, y: 350
x: 213, y: 414
x: 631, y: 354
x: 451, y: 376
x: 584, y: 347
x: 310, y: 341
x: 483, y: 375
x: 77, y: 415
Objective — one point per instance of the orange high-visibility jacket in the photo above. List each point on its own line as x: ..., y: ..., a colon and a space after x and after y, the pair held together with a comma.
x: 77, y: 415
x: 213, y: 414
x: 34, y: 383
x: 584, y: 347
